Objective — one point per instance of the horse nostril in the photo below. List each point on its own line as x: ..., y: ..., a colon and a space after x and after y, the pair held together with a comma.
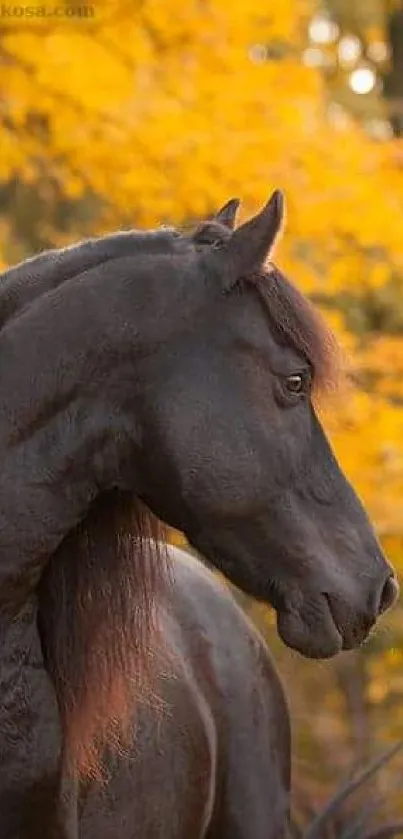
x: 389, y: 593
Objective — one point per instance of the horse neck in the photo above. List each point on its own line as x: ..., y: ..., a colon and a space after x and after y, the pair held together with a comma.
x: 63, y: 441
x: 61, y: 446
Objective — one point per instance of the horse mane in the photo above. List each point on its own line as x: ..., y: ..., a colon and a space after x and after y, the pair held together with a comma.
x: 297, y: 324
x: 22, y: 283
x: 97, y: 622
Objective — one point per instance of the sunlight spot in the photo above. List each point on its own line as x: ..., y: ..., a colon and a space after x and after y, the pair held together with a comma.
x: 378, y: 51
x: 349, y: 49
x: 362, y: 80
x: 379, y: 129
x: 323, y: 30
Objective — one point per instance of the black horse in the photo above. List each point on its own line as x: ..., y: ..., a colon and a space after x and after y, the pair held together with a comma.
x: 175, y: 370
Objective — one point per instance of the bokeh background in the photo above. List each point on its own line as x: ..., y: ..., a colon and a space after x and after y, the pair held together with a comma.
x: 147, y: 112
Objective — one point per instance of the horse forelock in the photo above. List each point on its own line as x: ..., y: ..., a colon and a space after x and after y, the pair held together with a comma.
x: 297, y: 324
x: 97, y: 617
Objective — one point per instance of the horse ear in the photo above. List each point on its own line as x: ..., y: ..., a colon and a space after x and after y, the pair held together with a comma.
x: 253, y: 241
x: 227, y: 214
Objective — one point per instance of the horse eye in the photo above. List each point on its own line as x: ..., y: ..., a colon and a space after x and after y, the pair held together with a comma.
x: 295, y: 383
x: 217, y: 244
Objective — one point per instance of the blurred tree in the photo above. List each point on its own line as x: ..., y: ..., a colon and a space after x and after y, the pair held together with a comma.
x: 359, y: 48
x: 393, y: 80
x: 144, y: 112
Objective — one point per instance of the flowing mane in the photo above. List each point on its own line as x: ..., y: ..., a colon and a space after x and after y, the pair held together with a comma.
x: 100, y: 640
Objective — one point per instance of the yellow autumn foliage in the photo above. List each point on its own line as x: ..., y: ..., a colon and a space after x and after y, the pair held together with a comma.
x: 156, y: 112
